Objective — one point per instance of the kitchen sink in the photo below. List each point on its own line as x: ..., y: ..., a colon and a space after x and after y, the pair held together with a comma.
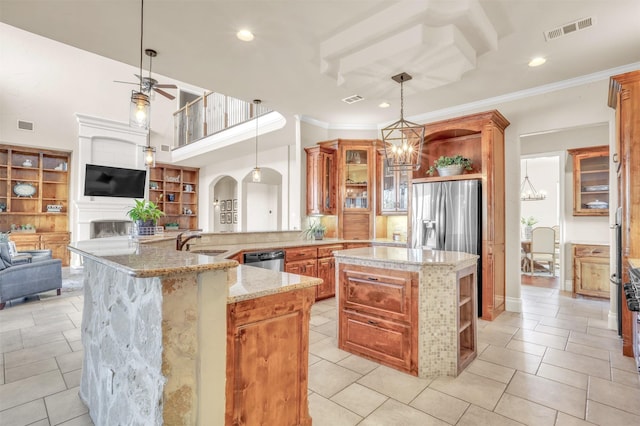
x: 208, y: 252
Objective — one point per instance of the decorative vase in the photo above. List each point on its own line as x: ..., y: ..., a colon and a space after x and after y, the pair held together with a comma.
x: 318, y: 235
x: 527, y: 232
x: 452, y: 170
x: 145, y: 227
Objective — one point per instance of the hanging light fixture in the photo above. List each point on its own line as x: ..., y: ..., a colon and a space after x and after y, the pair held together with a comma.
x: 528, y: 192
x: 139, y: 108
x: 403, y: 139
x: 149, y: 152
x: 256, y: 175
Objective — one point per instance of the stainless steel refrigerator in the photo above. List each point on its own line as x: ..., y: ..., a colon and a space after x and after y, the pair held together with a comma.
x: 448, y: 216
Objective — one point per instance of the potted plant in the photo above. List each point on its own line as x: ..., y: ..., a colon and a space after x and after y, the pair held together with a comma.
x: 450, y: 166
x: 145, y: 214
x: 315, y: 230
x: 528, y: 223
x: 171, y: 226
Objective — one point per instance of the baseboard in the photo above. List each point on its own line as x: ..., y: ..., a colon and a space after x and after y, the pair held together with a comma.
x: 513, y: 304
x: 568, y: 285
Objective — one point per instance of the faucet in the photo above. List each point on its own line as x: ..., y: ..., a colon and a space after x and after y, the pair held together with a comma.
x: 180, y: 242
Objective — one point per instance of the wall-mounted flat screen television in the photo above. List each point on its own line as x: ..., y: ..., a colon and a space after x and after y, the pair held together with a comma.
x: 107, y: 181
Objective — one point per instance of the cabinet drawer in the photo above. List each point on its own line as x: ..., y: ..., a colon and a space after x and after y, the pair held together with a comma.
x: 386, y: 341
x: 357, y: 245
x: 327, y: 251
x: 377, y: 292
x: 580, y: 250
x: 299, y: 253
x: 307, y: 267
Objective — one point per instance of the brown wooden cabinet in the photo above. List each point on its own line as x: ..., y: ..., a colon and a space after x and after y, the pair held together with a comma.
x: 467, y: 314
x: 590, y: 181
x: 267, y: 360
x: 378, y: 315
x: 34, y: 194
x: 327, y: 271
x: 393, y: 188
x: 624, y: 96
x: 591, y: 270
x: 175, y: 190
x: 321, y: 181
x: 314, y: 262
x: 479, y: 137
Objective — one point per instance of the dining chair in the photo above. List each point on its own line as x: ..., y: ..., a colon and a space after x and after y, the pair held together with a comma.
x: 556, y: 230
x: 543, y: 248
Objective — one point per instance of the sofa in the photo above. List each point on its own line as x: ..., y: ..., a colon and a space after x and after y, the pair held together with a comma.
x: 27, y: 273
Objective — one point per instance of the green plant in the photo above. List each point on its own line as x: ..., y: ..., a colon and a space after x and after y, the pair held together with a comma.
x: 528, y: 221
x: 315, y: 230
x: 456, y: 160
x: 145, y: 211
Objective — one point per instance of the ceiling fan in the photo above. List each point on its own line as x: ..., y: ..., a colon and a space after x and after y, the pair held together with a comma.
x: 147, y: 84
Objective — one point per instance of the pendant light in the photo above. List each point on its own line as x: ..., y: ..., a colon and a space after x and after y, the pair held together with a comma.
x: 403, y: 139
x: 149, y: 152
x: 256, y: 175
x: 139, y: 108
x: 528, y: 192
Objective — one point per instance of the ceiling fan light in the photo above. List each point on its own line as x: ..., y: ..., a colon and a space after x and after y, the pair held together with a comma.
x: 245, y: 35
x: 139, y: 110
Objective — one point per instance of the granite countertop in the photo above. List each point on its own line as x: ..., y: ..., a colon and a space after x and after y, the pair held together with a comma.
x: 405, y: 256
x: 635, y: 263
x: 251, y: 282
x: 142, y: 260
x: 588, y: 243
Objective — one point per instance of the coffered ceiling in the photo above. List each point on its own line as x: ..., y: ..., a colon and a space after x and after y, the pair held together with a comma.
x: 308, y: 55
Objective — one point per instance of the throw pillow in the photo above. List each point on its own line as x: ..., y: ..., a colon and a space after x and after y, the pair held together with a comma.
x: 5, y: 256
x: 13, y: 251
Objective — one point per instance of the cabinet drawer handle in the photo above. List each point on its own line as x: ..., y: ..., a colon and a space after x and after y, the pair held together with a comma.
x: 372, y: 322
x: 615, y: 157
x: 372, y: 278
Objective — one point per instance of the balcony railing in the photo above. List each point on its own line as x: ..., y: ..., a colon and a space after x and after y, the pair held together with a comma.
x: 211, y: 114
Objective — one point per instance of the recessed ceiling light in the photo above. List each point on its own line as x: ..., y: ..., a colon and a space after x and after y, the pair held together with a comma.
x: 537, y: 61
x: 244, y: 35
x: 384, y: 105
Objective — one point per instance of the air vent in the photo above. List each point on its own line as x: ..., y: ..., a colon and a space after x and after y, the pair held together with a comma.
x: 352, y: 99
x: 25, y: 125
x: 569, y: 28
x: 165, y: 148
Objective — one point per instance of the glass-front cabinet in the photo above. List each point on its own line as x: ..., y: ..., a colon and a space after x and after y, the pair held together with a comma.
x: 590, y: 181
x: 357, y: 174
x: 393, y: 196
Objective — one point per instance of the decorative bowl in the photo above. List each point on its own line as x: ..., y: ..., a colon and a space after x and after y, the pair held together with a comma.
x: 24, y: 189
x: 452, y: 170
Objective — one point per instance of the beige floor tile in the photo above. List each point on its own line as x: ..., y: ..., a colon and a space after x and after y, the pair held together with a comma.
x: 359, y: 399
x: 358, y: 364
x: 544, y: 339
x: 22, y: 391
x: 478, y: 416
x: 567, y: 420
x: 31, y: 341
x: 501, y: 328
x: 491, y: 370
x: 601, y: 414
x: 580, y: 363
x: 615, y: 395
x: 494, y: 337
x: 314, y: 336
x: 35, y: 353
x: 610, y: 344
x: 525, y: 411
x: 540, y: 309
x: 552, y: 330
x: 396, y: 384
x: 393, y: 413
x: 10, y: 341
x: 72, y: 378
x: 598, y: 323
x: 76, y: 345
x: 471, y: 388
x: 327, y: 378
x: 530, y: 348
x: 549, y: 393
x: 324, y: 412
x: 626, y: 378
x: 319, y: 308
x: 2, y: 375
x: 440, y: 405
x: 517, y: 321
x: 47, y: 328
x: 328, y: 349
x: 318, y: 320
x: 8, y: 323
x: 24, y: 414
x: 28, y: 370
x: 73, y: 335
x: 83, y: 420
x: 577, y: 325
x: 582, y: 311
x: 512, y: 359
x: 64, y: 406
x: 576, y: 348
x: 45, y: 317
x: 622, y: 362
x: 329, y: 329
x: 331, y: 314
x: 563, y: 375
x: 70, y: 361
x: 596, y: 331
x: 76, y: 318
x: 313, y: 359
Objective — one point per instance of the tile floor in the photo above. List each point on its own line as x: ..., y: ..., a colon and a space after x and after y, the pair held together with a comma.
x: 553, y: 364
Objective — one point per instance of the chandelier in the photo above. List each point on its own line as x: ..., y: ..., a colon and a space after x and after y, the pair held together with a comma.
x: 403, y: 139
x: 528, y: 192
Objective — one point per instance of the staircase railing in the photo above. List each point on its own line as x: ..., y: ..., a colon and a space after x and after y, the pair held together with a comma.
x: 210, y: 114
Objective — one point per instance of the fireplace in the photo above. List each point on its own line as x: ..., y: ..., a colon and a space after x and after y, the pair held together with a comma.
x: 109, y: 228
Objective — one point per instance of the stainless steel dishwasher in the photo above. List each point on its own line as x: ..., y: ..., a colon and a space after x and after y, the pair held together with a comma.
x: 273, y: 259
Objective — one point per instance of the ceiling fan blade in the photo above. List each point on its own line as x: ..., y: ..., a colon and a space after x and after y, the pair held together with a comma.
x: 125, y: 82
x: 166, y: 86
x: 138, y: 77
x: 163, y: 93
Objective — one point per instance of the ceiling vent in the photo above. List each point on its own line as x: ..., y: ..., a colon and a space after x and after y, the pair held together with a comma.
x: 569, y: 28
x: 25, y: 125
x: 165, y: 148
x: 352, y: 99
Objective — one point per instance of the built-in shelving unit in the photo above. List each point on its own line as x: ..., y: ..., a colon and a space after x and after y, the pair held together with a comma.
x: 590, y: 181
x: 175, y: 190
x: 466, y: 320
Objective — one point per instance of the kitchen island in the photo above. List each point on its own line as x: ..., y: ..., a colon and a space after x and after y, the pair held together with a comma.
x: 178, y: 338
x: 410, y: 309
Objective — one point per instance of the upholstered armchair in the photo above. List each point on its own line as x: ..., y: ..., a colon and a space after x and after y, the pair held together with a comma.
x: 32, y: 272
